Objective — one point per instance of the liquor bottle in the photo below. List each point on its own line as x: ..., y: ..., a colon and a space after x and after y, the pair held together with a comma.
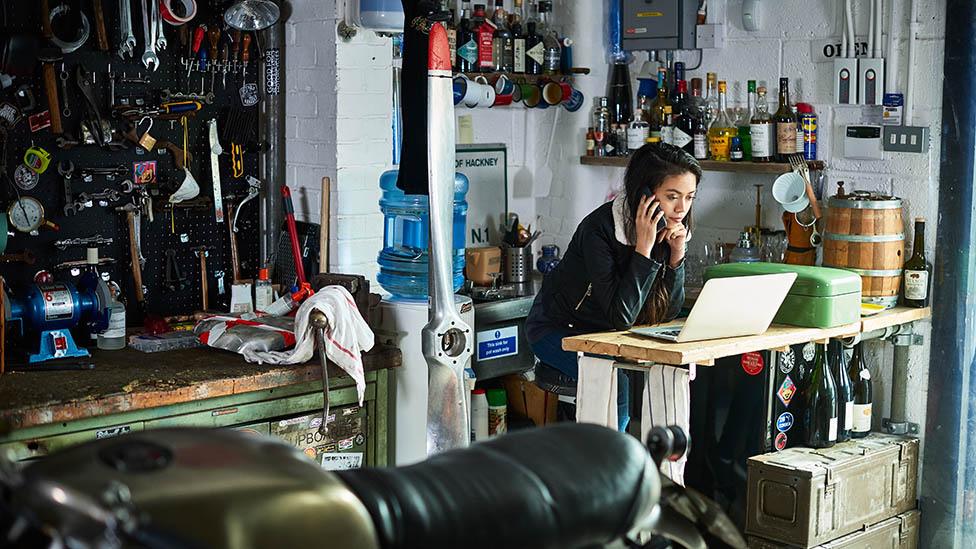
x: 679, y: 74
x: 550, y: 40
x: 518, y: 38
x: 667, y: 126
x: 761, y: 129
x: 917, y: 270
x: 845, y: 392
x: 735, y: 149
x: 452, y: 38
x: 684, y: 124
x: 860, y: 377
x: 696, y: 101
x: 661, y: 101
x: 711, y: 100
x: 743, y: 123
x: 534, y: 49
x: 601, y: 125
x: 820, y: 416
x: 467, y: 51
x: 722, y: 130
x: 700, y: 136
x: 785, y: 123
x: 638, y: 130
x: 484, y: 32
x: 590, y: 142
x: 502, y: 42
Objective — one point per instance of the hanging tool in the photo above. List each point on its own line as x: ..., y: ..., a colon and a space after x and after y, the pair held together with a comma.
x: 67, y: 168
x: 127, y: 44
x: 198, y: 36
x: 321, y: 326
x: 245, y: 55
x: 202, y: 253
x: 48, y: 57
x: 174, y: 281
x: 63, y: 78
x: 225, y: 64
x: 100, y: 31
x: 99, y: 126
x: 324, y: 225
x: 214, y: 35
x: 25, y: 256
x: 215, y: 151
x: 149, y: 59
x: 304, y: 288
x: 235, y: 262
x: 133, y: 217
x: 235, y: 52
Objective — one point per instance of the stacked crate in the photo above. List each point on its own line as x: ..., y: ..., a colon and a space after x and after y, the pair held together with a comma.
x: 855, y: 494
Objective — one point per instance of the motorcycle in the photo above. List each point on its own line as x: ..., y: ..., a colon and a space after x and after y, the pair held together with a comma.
x: 562, y: 486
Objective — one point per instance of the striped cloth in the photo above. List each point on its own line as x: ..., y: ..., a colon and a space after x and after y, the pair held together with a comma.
x: 667, y: 401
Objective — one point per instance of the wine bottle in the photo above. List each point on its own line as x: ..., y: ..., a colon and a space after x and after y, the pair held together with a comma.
x: 917, y: 270
x: 785, y: 123
x: 820, y: 416
x: 861, y: 378
x: 845, y: 391
x: 762, y: 130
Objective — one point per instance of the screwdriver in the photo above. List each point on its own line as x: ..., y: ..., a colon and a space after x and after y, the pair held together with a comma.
x: 214, y: 36
x: 198, y: 35
x: 245, y: 54
x: 235, y: 51
x: 224, y: 57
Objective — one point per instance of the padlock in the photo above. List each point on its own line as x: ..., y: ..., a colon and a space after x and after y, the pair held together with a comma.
x: 37, y: 159
x: 146, y: 141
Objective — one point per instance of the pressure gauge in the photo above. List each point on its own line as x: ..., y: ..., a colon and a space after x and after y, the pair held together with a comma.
x: 26, y: 214
x: 25, y: 178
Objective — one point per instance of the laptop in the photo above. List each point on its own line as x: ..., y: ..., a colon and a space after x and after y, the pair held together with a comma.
x: 728, y: 307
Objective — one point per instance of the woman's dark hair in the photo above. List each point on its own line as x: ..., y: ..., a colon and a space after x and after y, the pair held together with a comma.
x: 649, y: 166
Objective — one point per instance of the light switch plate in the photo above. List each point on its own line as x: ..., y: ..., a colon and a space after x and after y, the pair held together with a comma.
x: 913, y: 139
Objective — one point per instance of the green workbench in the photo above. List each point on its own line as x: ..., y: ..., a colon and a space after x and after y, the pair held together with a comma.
x: 42, y: 412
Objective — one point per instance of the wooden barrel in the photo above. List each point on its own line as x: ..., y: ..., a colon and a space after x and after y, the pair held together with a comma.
x: 865, y: 234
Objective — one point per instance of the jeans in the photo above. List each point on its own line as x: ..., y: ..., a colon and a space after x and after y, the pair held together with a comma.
x: 549, y: 350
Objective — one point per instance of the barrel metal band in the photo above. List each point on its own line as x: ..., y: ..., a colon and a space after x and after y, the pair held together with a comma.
x: 843, y: 203
x: 865, y: 238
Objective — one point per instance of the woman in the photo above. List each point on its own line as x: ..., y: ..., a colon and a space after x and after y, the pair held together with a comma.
x: 625, y: 263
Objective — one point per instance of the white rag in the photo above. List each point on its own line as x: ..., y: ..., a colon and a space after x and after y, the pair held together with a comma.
x: 347, y: 336
x: 667, y: 401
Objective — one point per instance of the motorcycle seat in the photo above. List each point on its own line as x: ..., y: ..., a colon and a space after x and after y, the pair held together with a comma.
x: 561, y: 486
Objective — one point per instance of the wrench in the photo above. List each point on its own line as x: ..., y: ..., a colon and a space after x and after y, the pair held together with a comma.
x: 160, y: 35
x: 165, y: 95
x: 67, y: 168
x: 128, y: 45
x: 149, y: 59
x: 65, y: 109
x: 127, y: 186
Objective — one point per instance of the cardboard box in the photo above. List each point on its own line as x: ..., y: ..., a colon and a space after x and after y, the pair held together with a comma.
x: 804, y: 497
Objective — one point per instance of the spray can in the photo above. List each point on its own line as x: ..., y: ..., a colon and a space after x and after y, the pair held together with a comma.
x: 808, y: 124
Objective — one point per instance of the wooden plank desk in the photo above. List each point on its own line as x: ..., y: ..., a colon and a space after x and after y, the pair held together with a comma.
x: 632, y: 347
x: 640, y: 352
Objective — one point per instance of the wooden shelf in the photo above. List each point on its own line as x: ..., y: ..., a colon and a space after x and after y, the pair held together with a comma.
x: 708, y: 165
x: 529, y: 78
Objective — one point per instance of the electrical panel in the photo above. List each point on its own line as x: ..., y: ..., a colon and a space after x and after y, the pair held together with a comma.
x: 658, y: 24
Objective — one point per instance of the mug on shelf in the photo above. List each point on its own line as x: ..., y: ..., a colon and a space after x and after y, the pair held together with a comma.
x: 503, y: 99
x: 504, y: 86
x: 531, y: 94
x: 575, y: 101
x: 556, y: 92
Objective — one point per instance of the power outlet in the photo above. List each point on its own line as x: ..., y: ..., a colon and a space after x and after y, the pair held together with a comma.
x: 912, y: 139
x: 710, y: 36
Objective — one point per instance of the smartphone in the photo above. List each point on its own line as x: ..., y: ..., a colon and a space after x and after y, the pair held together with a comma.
x: 661, y: 223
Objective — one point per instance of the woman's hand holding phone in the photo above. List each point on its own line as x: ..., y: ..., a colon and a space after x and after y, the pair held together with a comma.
x: 646, y: 225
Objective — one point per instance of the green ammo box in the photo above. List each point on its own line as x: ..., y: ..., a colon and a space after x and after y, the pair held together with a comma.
x: 821, y: 297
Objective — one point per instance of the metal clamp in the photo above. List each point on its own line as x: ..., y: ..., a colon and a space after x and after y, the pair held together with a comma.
x: 68, y: 47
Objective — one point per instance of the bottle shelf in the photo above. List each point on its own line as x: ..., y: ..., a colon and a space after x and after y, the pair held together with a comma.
x: 709, y: 165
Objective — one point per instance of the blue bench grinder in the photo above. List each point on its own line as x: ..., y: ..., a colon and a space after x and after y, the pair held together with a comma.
x: 53, y: 309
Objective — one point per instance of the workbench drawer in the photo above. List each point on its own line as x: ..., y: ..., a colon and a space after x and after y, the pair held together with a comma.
x: 34, y: 448
x: 231, y: 416
x: 342, y: 447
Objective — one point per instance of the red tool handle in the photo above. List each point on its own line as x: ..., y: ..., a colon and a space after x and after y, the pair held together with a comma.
x: 198, y: 36
x: 296, y: 251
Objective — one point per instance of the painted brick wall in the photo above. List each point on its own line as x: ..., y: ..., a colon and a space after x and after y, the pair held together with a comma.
x: 338, y: 125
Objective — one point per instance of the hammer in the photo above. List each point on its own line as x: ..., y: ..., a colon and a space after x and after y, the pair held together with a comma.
x: 50, y: 56
x: 130, y: 210
x: 202, y: 254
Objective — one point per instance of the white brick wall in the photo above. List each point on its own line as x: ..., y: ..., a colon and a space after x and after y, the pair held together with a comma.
x: 338, y: 125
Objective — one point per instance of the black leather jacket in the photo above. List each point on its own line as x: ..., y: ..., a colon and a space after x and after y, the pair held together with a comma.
x: 600, y: 284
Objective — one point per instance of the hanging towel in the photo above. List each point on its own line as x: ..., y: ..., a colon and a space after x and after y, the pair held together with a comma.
x: 667, y: 401
x: 596, y: 391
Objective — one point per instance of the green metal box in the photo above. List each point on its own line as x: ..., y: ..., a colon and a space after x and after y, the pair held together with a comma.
x: 900, y: 532
x: 821, y: 297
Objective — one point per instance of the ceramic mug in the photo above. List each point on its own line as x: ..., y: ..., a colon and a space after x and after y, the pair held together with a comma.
x: 460, y: 88
x: 479, y: 93
x: 504, y: 86
x: 555, y: 93
x: 575, y: 101
x: 502, y: 99
x: 531, y: 95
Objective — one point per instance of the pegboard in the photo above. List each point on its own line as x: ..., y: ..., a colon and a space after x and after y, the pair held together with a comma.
x: 181, y: 229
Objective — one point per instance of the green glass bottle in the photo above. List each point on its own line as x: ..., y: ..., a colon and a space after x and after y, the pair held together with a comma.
x: 820, y: 417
